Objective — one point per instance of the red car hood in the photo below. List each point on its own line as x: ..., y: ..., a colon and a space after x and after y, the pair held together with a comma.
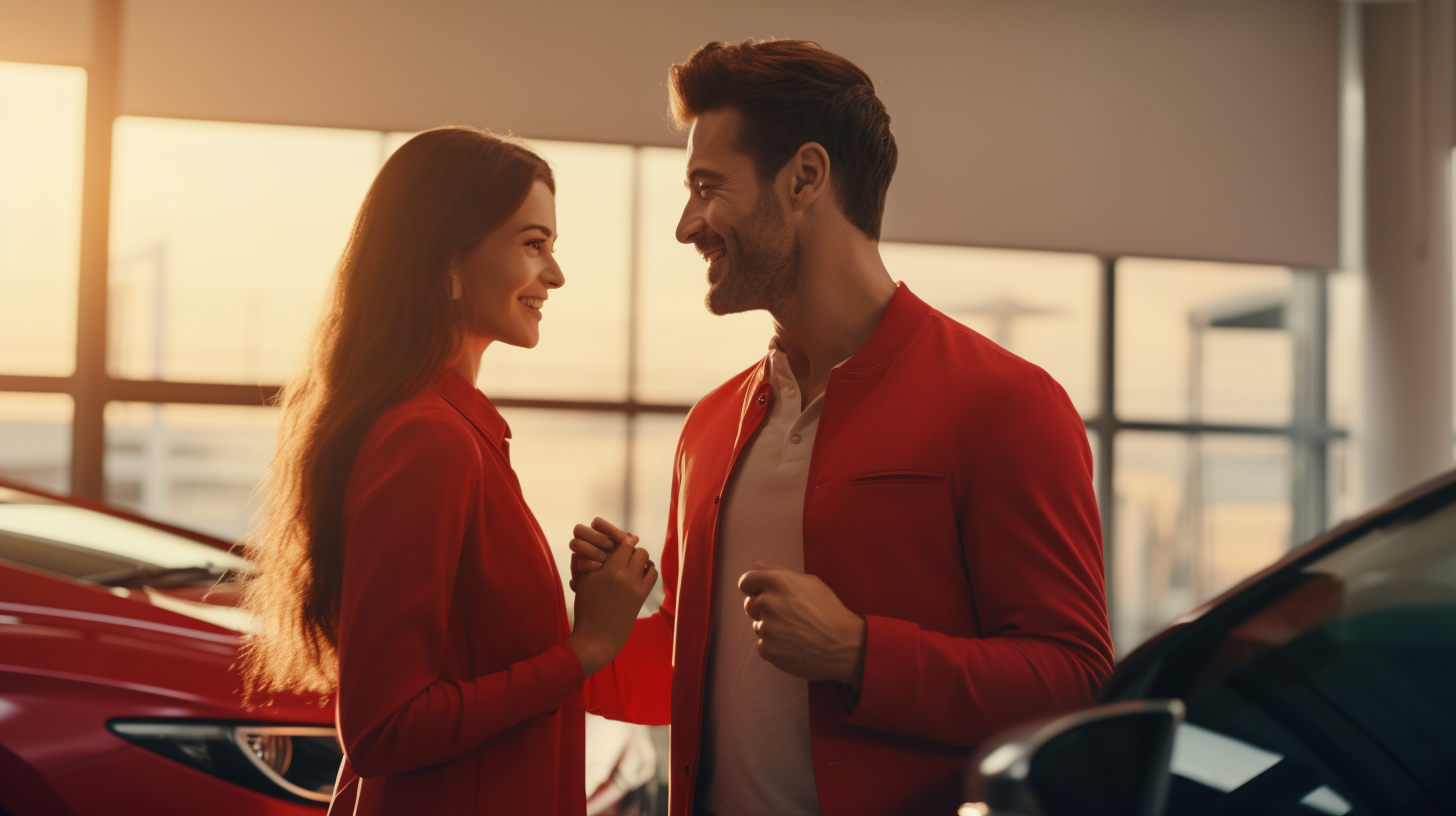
x: 153, y: 643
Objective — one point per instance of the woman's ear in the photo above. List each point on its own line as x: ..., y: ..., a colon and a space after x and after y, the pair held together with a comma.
x: 457, y: 286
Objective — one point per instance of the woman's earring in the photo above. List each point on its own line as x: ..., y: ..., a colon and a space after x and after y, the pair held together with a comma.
x: 457, y: 289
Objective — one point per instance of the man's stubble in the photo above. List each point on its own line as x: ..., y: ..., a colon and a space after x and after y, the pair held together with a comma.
x: 763, y: 259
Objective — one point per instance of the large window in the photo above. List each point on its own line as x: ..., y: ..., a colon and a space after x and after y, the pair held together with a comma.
x: 1201, y: 384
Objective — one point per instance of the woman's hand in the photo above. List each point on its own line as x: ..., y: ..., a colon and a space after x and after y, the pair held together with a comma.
x: 607, y: 602
x: 591, y: 546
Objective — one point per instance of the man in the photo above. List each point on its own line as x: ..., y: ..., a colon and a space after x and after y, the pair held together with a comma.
x: 903, y: 509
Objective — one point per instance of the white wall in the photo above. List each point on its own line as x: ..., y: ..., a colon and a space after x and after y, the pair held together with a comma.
x: 1410, y: 105
x: 1192, y: 129
x: 53, y: 31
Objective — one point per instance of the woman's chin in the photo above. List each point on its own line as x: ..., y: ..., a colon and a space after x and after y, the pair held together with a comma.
x: 525, y: 340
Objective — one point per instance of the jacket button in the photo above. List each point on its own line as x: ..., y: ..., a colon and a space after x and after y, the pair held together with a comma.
x: 716, y: 499
x: 687, y: 769
x: 762, y: 398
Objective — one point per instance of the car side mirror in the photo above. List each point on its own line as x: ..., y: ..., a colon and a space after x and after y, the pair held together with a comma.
x: 1111, y: 759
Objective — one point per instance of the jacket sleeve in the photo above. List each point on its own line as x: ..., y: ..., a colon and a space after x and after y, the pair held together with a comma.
x: 411, y: 496
x: 637, y: 686
x: 1032, y: 543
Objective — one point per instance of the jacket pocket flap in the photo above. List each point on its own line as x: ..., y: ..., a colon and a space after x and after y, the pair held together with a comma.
x: 897, y: 477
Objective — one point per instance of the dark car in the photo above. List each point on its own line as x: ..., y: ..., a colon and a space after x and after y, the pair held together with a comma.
x: 1326, y: 684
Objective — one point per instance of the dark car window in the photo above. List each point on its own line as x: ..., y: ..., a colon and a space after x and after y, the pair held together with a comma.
x: 1338, y: 697
x: 95, y: 547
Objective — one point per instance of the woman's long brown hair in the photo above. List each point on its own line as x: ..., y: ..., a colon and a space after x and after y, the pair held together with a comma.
x: 388, y: 327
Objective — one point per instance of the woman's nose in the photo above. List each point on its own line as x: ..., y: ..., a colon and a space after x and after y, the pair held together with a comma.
x: 554, y: 278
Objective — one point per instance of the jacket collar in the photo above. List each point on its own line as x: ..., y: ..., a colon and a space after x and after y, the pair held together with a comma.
x: 473, y: 405
x: 900, y: 320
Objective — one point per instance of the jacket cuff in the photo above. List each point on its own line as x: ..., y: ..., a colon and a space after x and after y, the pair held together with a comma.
x: 561, y: 669
x: 891, y: 663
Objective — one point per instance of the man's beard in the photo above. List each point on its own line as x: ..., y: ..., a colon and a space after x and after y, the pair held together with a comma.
x: 763, y: 260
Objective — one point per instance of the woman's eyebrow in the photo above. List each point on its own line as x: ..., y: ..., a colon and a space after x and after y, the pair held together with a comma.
x: 530, y: 227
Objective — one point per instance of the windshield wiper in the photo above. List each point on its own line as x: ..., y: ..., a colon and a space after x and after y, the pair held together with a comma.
x: 157, y: 577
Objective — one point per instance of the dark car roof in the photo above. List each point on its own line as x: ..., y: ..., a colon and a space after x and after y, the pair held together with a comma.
x: 1255, y: 590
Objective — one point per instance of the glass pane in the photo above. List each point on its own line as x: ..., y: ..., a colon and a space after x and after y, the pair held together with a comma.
x: 42, y: 138
x: 1203, y: 341
x: 195, y: 466
x: 1041, y: 306
x: 571, y: 465
x: 583, y: 350
x: 35, y: 440
x: 1194, y: 517
x: 685, y: 352
x: 223, y: 237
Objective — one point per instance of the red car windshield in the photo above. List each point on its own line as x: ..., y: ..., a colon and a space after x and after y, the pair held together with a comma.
x: 97, y: 548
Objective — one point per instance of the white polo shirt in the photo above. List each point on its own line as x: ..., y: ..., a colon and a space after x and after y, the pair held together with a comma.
x: 755, y: 750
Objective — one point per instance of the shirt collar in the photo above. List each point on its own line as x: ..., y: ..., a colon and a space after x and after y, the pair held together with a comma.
x: 473, y: 405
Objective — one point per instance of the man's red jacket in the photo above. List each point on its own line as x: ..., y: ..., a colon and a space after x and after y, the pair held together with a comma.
x: 950, y: 504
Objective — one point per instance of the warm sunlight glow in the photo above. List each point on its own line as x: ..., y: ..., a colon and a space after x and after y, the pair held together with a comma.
x: 42, y: 129
x: 224, y: 235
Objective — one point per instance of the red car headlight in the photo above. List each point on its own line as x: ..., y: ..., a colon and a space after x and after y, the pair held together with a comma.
x: 294, y: 762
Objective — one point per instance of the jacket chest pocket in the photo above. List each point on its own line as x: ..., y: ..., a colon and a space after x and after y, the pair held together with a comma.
x: 888, y: 540
x: 882, y: 515
x: 898, y: 509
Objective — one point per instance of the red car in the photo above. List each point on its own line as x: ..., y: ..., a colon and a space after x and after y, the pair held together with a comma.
x: 117, y: 694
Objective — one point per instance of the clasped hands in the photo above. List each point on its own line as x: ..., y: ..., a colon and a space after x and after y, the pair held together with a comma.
x: 801, y: 625
x: 606, y: 606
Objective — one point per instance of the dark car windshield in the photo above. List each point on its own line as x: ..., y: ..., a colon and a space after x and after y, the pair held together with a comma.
x: 98, y: 548
x: 1339, y: 696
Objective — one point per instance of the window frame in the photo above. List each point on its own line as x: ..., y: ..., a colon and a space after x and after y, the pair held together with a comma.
x: 91, y: 386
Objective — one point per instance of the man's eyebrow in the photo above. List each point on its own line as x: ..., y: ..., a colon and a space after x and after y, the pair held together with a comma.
x: 701, y: 175
x: 530, y: 227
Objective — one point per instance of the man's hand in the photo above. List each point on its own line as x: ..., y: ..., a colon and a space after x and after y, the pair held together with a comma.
x: 802, y: 626
x: 592, y: 545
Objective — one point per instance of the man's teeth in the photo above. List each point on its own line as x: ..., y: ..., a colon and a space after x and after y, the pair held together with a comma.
x: 532, y: 303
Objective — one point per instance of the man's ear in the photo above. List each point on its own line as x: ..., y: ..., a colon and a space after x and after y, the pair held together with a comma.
x: 808, y: 174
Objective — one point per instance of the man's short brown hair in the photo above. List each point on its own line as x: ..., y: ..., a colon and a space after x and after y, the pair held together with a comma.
x: 791, y: 92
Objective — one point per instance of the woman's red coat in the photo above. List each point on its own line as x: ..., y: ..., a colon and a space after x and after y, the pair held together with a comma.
x: 457, y: 691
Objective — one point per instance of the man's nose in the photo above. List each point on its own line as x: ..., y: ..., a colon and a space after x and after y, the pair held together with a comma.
x: 690, y: 225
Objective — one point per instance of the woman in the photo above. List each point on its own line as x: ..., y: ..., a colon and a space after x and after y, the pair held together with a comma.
x: 398, y: 563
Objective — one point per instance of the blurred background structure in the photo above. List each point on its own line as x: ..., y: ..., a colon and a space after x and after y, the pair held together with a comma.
x: 1224, y: 226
